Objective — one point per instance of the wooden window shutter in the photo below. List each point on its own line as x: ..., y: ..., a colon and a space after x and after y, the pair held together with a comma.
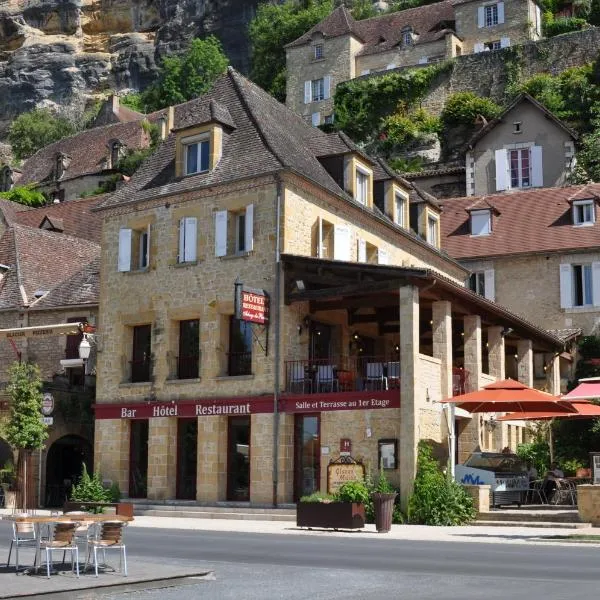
x: 190, y: 239
x: 327, y: 87
x: 181, y: 254
x: 382, y: 257
x: 537, y: 168
x: 125, y: 236
x: 490, y: 284
x: 502, y: 182
x: 362, y: 251
x: 221, y: 233
x: 341, y: 243
x: 316, y: 119
x: 596, y: 283
x: 504, y: 42
x: 500, y: 12
x: 480, y: 17
x: 307, y: 92
x: 566, y: 286
x: 249, y: 225
x: 477, y: 48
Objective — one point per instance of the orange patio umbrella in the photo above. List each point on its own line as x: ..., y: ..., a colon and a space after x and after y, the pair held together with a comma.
x: 583, y: 410
x: 509, y: 395
x: 587, y: 389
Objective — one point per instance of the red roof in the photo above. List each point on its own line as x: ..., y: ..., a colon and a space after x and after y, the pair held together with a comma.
x: 537, y: 220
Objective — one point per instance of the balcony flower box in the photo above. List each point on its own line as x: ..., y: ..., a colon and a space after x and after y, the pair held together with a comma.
x: 330, y: 515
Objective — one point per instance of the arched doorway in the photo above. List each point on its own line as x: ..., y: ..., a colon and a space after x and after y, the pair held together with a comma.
x: 64, y: 465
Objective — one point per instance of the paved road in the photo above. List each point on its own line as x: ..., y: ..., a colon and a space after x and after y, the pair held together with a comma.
x: 259, y: 566
x: 252, y: 566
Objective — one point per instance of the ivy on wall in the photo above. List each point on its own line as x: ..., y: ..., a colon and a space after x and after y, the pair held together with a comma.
x: 361, y: 103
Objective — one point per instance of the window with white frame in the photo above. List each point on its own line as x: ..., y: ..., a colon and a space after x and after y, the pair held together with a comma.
x: 583, y: 212
x: 520, y: 168
x: 481, y: 222
x: 580, y: 285
x: 407, y: 38
x: 318, y: 48
x: 318, y: 90
x: 196, y: 156
x: 495, y: 45
x: 134, y: 249
x: 188, y: 240
x: 361, y: 193
x: 400, y: 207
x: 490, y: 15
x: 328, y: 119
x: 234, y: 231
x: 432, y: 230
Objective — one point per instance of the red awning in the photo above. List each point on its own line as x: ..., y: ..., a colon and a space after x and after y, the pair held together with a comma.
x: 586, y: 390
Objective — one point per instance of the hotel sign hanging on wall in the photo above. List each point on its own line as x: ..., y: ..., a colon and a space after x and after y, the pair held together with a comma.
x: 251, y: 304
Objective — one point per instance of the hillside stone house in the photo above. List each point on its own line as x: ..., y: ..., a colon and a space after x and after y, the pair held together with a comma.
x: 204, y: 394
x: 49, y: 275
x: 527, y: 146
x: 340, y: 48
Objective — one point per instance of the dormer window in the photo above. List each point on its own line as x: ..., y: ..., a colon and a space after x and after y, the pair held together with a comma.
x: 362, y: 187
x: 197, y: 155
x: 407, y: 38
x: 583, y: 212
x: 481, y: 222
x: 318, y: 48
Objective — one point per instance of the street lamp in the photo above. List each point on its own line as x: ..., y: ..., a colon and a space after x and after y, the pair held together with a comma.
x: 84, y: 353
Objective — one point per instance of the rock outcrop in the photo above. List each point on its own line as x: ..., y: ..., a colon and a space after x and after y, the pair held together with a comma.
x: 69, y: 52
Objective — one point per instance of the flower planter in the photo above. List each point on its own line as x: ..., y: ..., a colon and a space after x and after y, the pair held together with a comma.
x: 330, y: 515
x: 383, y: 505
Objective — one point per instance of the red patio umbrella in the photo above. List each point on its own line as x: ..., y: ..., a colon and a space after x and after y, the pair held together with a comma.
x: 587, y: 389
x: 509, y: 395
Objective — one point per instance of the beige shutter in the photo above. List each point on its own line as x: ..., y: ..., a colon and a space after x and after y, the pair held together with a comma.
x: 125, y: 236
x: 221, y: 233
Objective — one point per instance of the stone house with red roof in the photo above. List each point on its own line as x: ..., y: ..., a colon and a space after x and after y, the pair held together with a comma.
x: 203, y: 394
x: 340, y: 48
x: 49, y: 275
x: 532, y: 251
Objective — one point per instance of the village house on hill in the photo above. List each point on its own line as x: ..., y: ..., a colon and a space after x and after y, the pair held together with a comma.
x: 340, y: 48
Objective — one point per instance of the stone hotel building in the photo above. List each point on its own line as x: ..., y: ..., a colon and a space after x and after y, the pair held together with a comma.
x: 350, y: 328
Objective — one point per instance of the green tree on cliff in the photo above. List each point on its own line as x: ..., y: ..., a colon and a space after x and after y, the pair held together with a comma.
x: 183, y: 77
x: 35, y: 129
x: 274, y: 26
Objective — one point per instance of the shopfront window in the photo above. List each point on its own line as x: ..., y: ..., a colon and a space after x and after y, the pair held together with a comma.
x: 238, y: 471
x: 307, y: 449
x: 187, y: 458
x: 138, y: 459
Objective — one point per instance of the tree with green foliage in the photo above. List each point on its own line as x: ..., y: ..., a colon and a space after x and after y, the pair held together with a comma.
x: 25, y: 430
x: 182, y: 78
x: 26, y: 195
x: 33, y: 130
x: 463, y: 108
x: 274, y: 26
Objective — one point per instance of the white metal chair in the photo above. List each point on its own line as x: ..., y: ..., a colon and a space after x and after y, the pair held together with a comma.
x: 326, y: 378
x: 84, y: 530
x: 298, y: 378
x: 536, y: 491
x: 62, y: 537
x: 375, y: 376
x: 24, y: 534
x: 109, y: 537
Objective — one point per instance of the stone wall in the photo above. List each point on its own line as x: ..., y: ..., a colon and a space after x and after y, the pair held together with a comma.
x: 486, y: 73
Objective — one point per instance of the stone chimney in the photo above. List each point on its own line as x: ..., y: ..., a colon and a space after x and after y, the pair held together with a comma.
x: 167, y: 122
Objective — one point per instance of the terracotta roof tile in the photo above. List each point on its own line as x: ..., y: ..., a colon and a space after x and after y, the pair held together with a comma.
x: 88, y: 149
x: 530, y: 221
x: 76, y: 217
x: 382, y: 33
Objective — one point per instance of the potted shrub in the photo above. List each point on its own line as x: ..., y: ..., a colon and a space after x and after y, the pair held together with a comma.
x: 383, y: 496
x: 345, y: 510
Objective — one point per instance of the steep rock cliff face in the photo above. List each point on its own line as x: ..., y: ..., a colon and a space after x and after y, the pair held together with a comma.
x: 67, y: 52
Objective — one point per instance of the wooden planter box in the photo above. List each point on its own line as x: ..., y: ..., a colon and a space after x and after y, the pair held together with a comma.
x: 333, y: 515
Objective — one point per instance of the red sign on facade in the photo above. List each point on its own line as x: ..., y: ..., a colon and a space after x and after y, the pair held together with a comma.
x: 254, y: 306
x: 345, y: 446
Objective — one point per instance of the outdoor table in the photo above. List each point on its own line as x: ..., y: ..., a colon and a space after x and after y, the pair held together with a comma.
x: 39, y: 520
